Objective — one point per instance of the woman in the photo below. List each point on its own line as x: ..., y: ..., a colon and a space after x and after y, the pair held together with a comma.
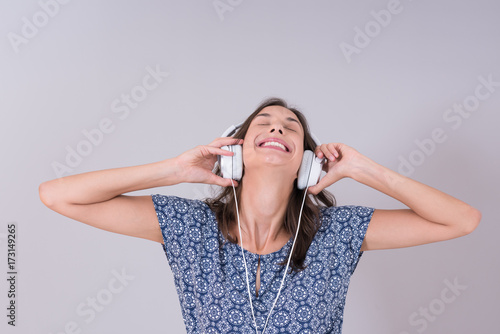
x: 225, y: 287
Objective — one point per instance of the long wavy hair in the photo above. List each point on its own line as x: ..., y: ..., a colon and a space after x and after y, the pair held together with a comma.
x: 224, y: 205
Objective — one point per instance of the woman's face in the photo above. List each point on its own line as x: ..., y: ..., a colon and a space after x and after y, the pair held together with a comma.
x: 275, y: 137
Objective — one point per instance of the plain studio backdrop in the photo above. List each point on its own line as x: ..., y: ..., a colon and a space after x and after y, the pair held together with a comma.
x: 91, y: 85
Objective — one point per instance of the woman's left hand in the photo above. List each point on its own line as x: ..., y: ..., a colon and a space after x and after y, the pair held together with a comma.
x: 340, y: 161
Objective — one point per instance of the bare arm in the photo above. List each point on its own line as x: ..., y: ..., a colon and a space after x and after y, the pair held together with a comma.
x: 432, y: 215
x: 96, y: 198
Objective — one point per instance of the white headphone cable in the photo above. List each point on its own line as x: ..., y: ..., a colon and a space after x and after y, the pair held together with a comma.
x: 245, y: 262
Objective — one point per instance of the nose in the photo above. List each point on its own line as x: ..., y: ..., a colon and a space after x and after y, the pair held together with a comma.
x: 279, y: 130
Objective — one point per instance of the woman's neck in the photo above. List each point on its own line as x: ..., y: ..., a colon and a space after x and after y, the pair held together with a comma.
x: 263, y: 204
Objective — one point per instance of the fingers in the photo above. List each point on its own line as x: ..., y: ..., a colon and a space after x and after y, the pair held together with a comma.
x: 220, y: 181
x: 215, y: 146
x: 323, y: 183
x: 231, y: 182
x: 218, y: 151
x: 317, y: 188
x: 223, y: 141
x: 329, y: 151
x: 313, y: 190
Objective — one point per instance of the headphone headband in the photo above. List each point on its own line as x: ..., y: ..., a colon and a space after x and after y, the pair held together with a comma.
x: 231, y: 130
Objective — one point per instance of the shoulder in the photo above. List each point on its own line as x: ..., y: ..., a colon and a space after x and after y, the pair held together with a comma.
x: 338, y: 217
x: 163, y: 200
x: 346, y: 211
x: 179, y: 204
x: 341, y: 234
x: 168, y: 207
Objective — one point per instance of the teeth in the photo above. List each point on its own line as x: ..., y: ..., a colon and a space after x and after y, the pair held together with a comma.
x: 273, y: 143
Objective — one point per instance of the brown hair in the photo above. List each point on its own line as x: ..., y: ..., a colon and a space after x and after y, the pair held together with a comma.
x: 224, y: 205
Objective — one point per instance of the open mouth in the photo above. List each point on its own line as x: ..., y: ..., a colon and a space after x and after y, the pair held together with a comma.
x: 275, y: 144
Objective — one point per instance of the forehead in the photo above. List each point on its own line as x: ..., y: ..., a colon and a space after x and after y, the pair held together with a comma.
x: 278, y: 112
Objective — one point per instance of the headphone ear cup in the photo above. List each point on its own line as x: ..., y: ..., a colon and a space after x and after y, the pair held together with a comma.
x: 231, y: 166
x: 310, y: 170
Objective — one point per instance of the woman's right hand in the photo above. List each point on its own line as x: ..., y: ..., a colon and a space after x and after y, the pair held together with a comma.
x: 196, y: 165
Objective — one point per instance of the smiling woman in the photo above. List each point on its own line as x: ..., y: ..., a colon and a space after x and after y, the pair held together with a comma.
x: 274, y: 222
x: 272, y: 121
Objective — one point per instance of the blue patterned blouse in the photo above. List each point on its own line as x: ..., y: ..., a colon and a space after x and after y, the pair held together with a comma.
x: 210, y: 276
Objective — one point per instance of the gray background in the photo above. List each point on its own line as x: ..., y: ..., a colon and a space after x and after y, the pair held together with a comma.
x: 384, y: 99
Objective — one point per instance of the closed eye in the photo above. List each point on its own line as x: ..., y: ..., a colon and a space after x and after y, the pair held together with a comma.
x: 285, y: 127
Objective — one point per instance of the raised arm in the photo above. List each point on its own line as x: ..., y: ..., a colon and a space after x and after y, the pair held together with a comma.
x: 96, y: 198
x: 432, y: 215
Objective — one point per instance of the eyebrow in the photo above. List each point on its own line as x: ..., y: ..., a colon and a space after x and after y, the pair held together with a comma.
x: 290, y: 119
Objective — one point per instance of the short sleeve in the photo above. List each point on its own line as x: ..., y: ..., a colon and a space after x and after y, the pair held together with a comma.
x: 347, y: 226
x: 186, y: 225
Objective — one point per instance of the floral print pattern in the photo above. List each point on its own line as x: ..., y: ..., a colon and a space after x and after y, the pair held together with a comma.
x: 210, y: 276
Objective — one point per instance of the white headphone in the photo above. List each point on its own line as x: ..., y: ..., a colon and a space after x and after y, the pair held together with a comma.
x: 232, y: 166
